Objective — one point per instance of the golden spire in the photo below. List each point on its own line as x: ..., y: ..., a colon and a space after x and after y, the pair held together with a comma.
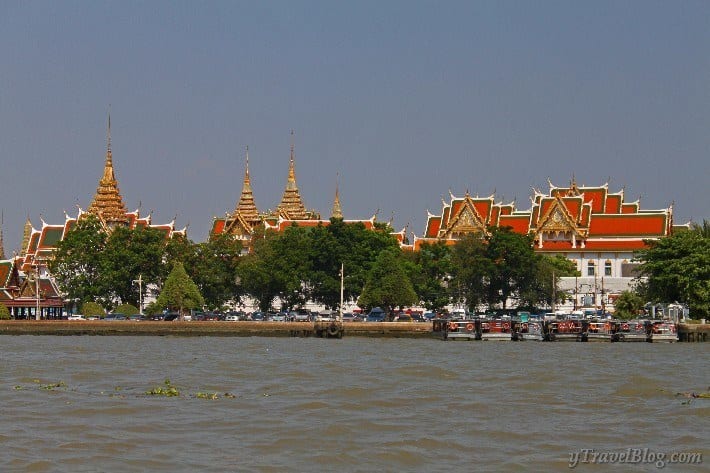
x: 2, y: 246
x: 108, y: 203
x: 246, y: 206
x: 27, y: 233
x: 291, y: 205
x: 337, y: 210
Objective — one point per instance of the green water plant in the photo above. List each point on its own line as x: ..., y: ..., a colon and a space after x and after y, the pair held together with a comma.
x: 167, y: 390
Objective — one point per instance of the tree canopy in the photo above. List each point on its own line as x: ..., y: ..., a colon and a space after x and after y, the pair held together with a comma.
x: 678, y: 269
x: 179, y: 292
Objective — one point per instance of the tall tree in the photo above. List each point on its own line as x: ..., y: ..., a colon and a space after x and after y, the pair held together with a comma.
x: 129, y: 253
x: 546, y: 278
x: 677, y: 269
x: 76, y: 265
x: 513, y: 264
x: 432, y: 265
x: 180, y: 292
x: 388, y: 285
x: 470, y: 272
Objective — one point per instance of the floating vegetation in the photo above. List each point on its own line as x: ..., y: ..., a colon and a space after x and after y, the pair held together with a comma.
x: 167, y: 390
x: 207, y: 396
x: 50, y: 387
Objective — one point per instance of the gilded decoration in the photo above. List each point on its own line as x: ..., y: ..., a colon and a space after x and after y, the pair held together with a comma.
x: 558, y: 221
x: 467, y: 220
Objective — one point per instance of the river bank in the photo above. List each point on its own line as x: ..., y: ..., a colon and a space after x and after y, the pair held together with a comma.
x: 213, y: 328
x: 686, y: 332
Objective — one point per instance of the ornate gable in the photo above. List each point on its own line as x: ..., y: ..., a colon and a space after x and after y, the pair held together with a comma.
x: 466, y: 220
x: 558, y: 224
x: 558, y: 219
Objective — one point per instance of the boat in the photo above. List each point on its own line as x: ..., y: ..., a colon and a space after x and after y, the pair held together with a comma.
x: 564, y: 329
x: 662, y: 331
x: 461, y: 330
x: 631, y: 331
x: 598, y: 330
x: 528, y: 330
x: 496, y: 330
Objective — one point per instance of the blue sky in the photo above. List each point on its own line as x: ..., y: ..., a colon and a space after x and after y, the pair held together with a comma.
x: 404, y: 99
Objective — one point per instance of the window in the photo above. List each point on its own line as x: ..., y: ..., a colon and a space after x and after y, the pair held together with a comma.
x: 590, y: 268
x: 607, y: 268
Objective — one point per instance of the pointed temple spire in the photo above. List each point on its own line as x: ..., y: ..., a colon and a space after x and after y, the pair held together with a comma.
x: 108, y: 203
x: 246, y: 206
x: 291, y: 205
x: 26, y: 235
x: 337, y: 210
x: 2, y: 246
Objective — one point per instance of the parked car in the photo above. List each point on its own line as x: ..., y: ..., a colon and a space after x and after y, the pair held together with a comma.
x: 112, y: 317
x: 403, y: 317
x: 231, y: 318
x: 429, y: 316
x: 417, y: 317
x: 376, y: 315
x: 257, y: 316
x: 280, y: 317
x: 326, y: 316
x: 301, y: 315
x: 76, y: 317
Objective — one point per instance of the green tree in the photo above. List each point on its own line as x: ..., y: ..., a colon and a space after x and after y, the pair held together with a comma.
x: 470, y: 272
x: 512, y: 272
x: 212, y: 265
x: 76, y: 265
x: 180, y: 292
x: 548, y: 271
x: 677, y: 268
x: 92, y: 309
x: 129, y: 253
x: 627, y: 305
x: 4, y: 312
x: 388, y: 286
x: 431, y: 266
x: 127, y: 309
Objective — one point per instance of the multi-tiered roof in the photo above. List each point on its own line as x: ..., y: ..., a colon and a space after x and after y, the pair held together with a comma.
x: 565, y: 219
x: 108, y: 203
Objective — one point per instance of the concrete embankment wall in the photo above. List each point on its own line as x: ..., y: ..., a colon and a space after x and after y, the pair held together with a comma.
x: 694, y: 332
x: 201, y: 329
x: 686, y: 332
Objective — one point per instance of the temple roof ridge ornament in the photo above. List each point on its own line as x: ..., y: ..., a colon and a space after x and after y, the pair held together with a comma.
x: 246, y: 207
x: 2, y: 245
x: 108, y: 203
x: 337, y: 209
x: 291, y: 205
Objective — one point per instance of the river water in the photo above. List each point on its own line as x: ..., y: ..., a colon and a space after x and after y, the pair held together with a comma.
x: 79, y: 404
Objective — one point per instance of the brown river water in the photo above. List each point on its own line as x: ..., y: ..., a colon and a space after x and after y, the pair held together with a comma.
x: 79, y: 404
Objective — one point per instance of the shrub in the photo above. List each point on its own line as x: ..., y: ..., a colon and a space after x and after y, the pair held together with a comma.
x: 4, y: 312
x: 127, y: 309
x: 93, y: 309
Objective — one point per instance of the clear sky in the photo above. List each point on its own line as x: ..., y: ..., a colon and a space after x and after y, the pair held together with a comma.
x: 406, y: 100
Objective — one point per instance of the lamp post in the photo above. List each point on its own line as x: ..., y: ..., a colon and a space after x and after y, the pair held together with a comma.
x: 140, y: 293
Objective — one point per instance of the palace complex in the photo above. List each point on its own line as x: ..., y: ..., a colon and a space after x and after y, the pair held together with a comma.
x: 595, y: 228
x: 25, y: 285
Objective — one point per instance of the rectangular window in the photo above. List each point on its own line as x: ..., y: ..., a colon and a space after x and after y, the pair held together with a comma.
x: 590, y: 268
x: 607, y: 268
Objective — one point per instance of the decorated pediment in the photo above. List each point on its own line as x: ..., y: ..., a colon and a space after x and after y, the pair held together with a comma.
x: 558, y: 222
x: 466, y: 221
